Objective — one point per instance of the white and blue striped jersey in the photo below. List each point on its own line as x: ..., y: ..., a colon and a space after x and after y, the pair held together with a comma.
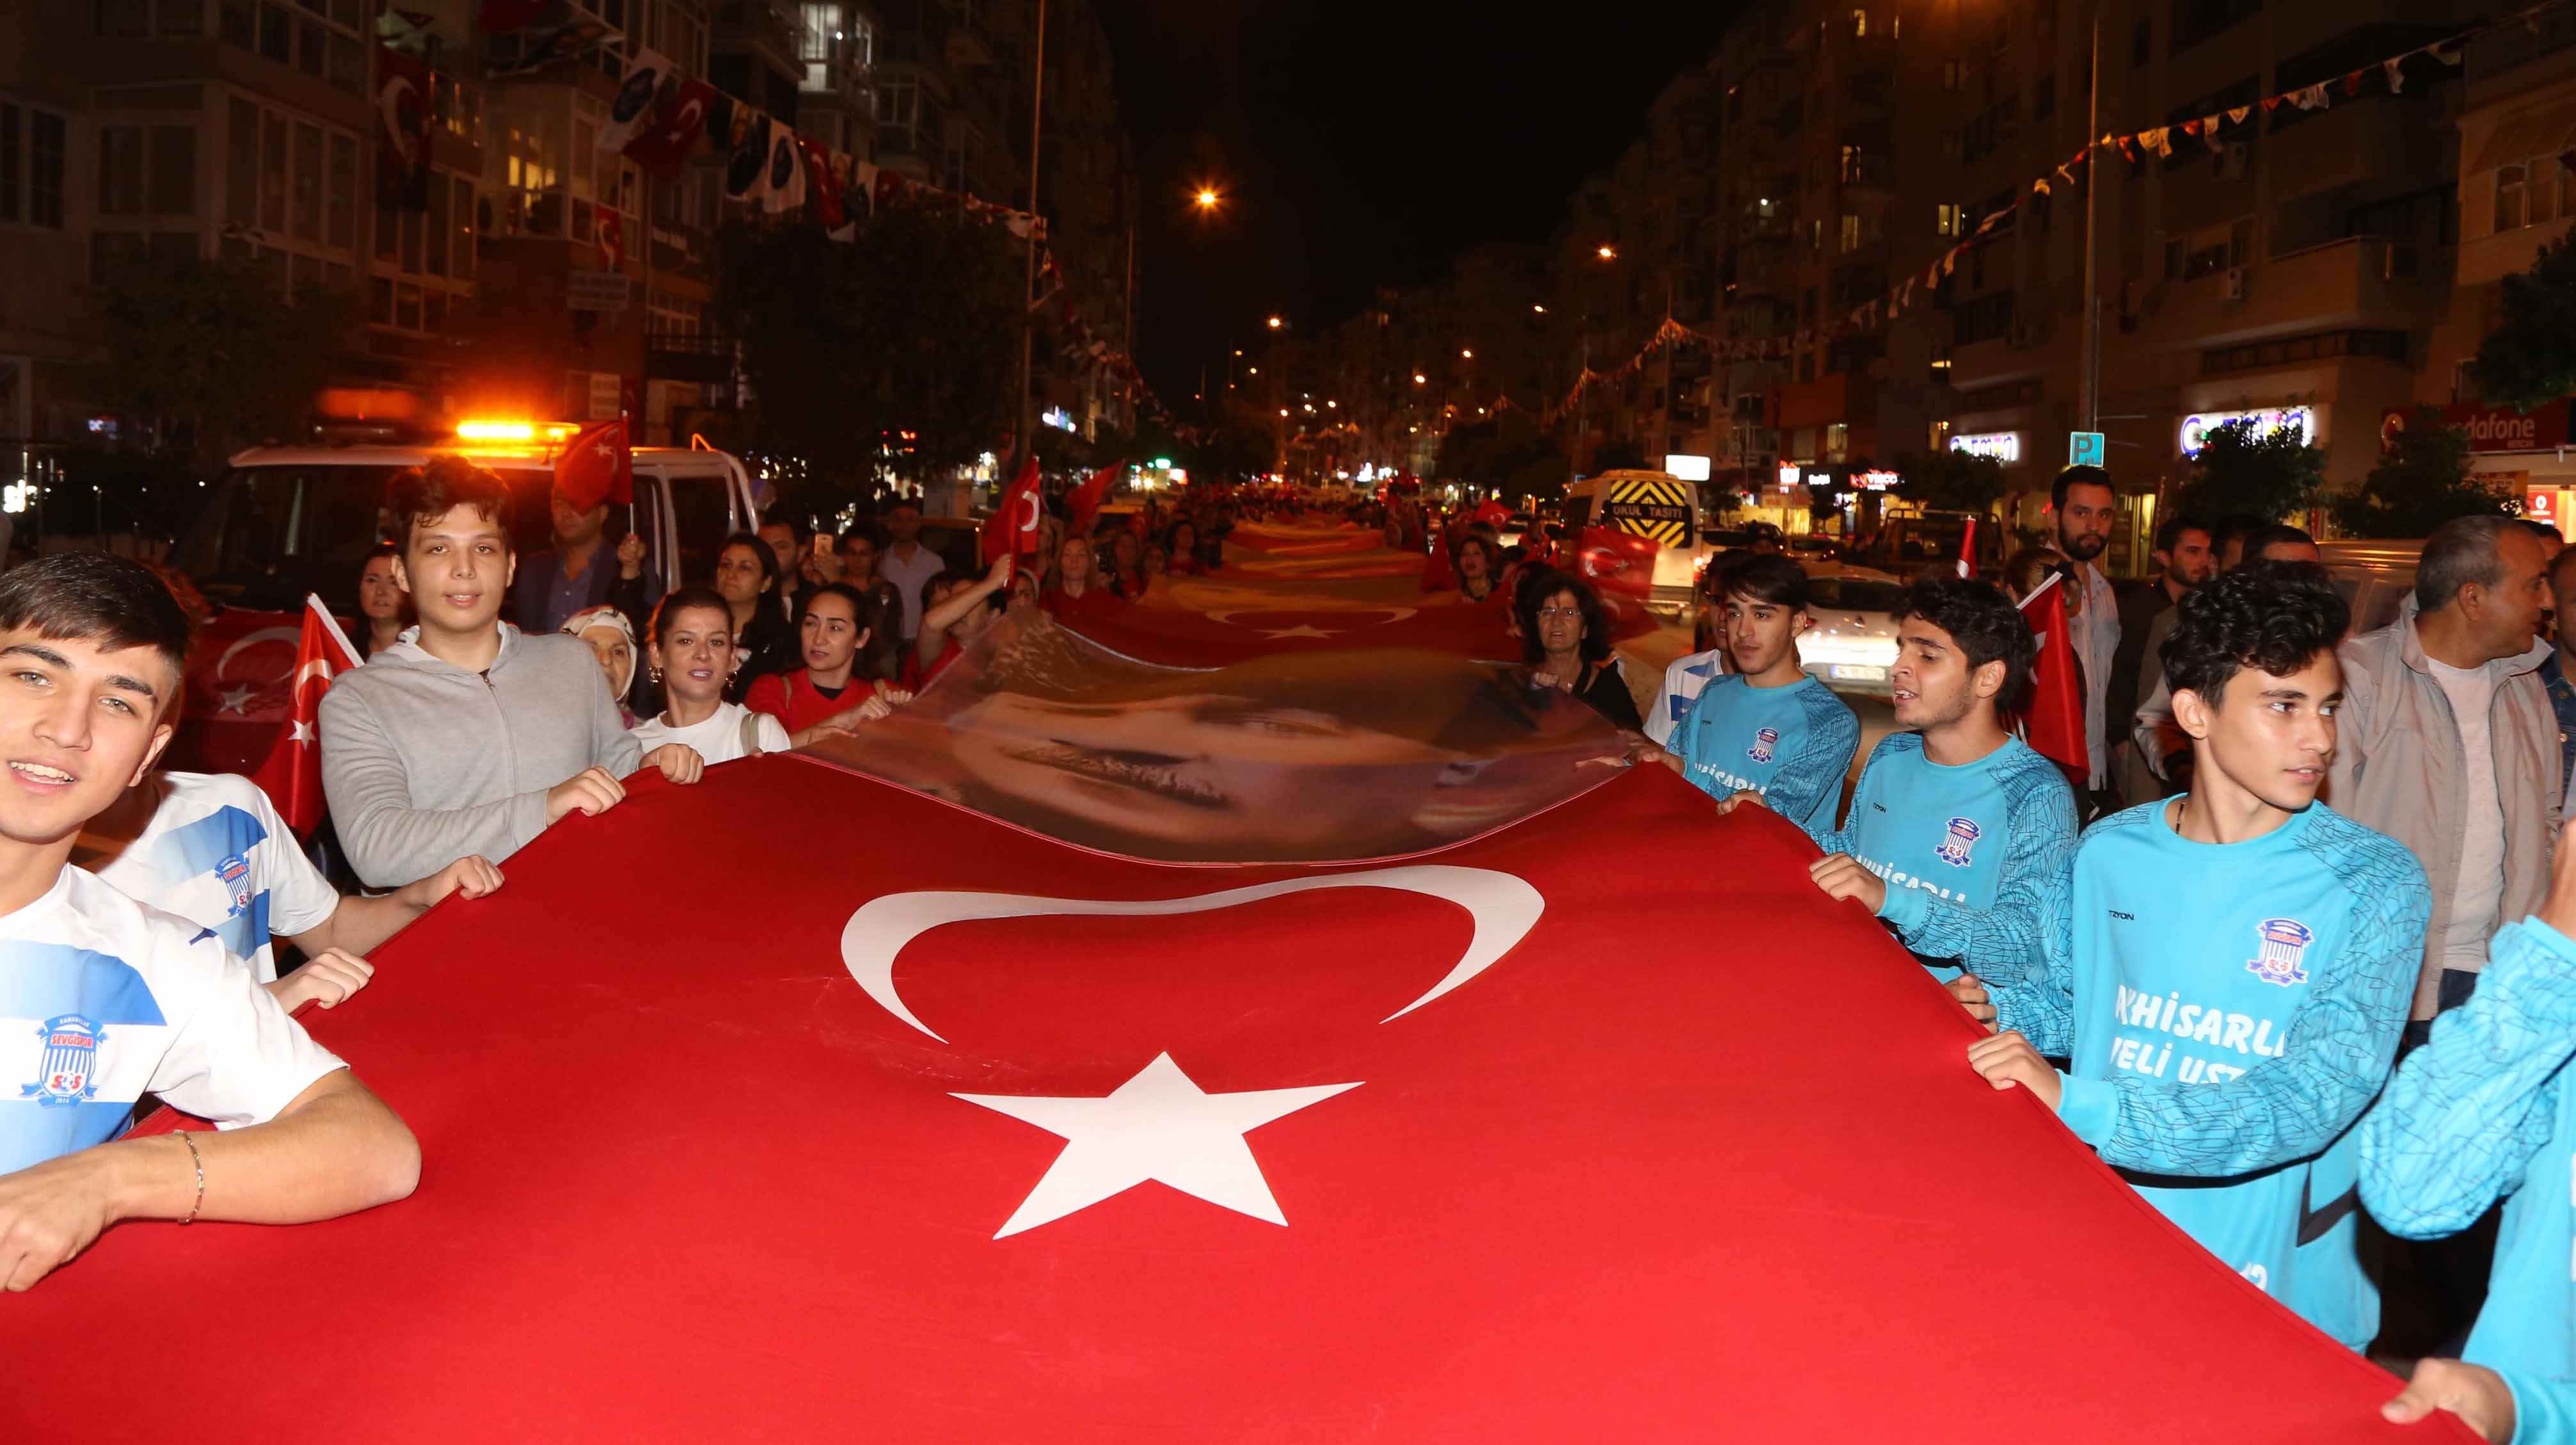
x: 216, y: 854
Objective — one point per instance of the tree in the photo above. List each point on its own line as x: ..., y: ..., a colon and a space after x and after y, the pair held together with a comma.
x: 912, y: 327
x: 1951, y: 481
x: 1619, y: 454
x: 2421, y: 482
x: 208, y: 350
x: 2530, y: 358
x: 2270, y: 474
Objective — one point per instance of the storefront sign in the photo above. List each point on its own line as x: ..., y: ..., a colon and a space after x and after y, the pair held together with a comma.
x: 2003, y: 446
x: 1875, y: 481
x: 2490, y: 428
x: 2540, y: 504
x: 1790, y: 472
x: 2197, y: 426
x: 1686, y: 467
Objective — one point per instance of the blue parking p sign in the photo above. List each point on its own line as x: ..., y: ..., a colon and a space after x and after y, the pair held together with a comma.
x: 2084, y: 449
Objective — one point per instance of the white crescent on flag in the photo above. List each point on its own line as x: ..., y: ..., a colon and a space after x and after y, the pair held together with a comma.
x: 389, y: 109
x: 1503, y: 908
x: 1030, y: 524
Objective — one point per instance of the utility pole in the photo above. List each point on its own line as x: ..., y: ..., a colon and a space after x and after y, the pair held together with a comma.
x: 2088, y: 402
x: 1023, y: 410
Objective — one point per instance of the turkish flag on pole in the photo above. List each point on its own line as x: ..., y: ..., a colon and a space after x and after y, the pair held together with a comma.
x: 612, y: 239
x: 292, y: 775
x: 1085, y: 502
x: 1013, y: 527
x: 664, y: 146
x: 1968, y: 549
x: 597, y: 465
x: 1494, y: 512
x: 2053, y: 724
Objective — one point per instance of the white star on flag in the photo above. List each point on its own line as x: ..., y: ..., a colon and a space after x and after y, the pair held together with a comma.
x: 1300, y: 630
x: 233, y: 699
x: 1158, y: 1125
x: 302, y: 731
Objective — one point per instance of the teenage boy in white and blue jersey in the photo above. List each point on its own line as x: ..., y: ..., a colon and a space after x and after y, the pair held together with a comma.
x: 2237, y: 963
x: 2485, y: 1111
x: 1959, y: 836
x: 1768, y: 733
x: 103, y: 999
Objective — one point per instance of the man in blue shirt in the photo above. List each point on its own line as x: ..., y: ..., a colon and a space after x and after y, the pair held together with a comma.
x: 2236, y: 966
x: 103, y: 1000
x: 1767, y: 733
x: 2484, y: 1112
x: 1960, y: 836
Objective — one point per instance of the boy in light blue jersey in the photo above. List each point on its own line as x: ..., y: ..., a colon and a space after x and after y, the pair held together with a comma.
x: 2484, y: 1111
x: 2237, y: 963
x: 1768, y: 732
x: 1959, y: 835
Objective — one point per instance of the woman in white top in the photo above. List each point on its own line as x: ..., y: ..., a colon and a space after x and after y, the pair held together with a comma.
x: 690, y: 646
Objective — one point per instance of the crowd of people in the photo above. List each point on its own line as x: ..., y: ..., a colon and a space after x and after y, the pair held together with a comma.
x: 2308, y: 975
x: 2304, y: 980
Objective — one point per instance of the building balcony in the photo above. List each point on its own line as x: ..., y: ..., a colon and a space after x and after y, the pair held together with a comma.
x: 2353, y: 142
x: 765, y: 27
x: 2367, y: 282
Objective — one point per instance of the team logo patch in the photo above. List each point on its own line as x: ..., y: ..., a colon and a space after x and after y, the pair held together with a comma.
x: 234, y: 869
x: 1763, y: 742
x: 2283, y: 957
x: 68, y: 1071
x: 1962, y: 836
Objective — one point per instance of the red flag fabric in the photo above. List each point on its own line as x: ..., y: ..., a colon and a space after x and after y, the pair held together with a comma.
x: 822, y: 185
x: 1968, y: 549
x: 2053, y: 724
x: 1084, y: 505
x: 1014, y: 526
x: 612, y: 239
x: 971, y: 1135
x: 1616, y: 563
x: 402, y: 130
x: 597, y: 465
x: 292, y: 775
x: 663, y: 146
x: 499, y: 15
x: 1494, y: 512
x: 1439, y: 570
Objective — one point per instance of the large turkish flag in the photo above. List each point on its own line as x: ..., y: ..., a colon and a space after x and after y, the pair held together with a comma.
x: 919, y: 1128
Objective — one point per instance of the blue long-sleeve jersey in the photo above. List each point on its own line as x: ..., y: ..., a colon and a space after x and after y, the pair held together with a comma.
x: 2483, y: 1112
x: 1791, y: 744
x: 2229, y: 1011
x: 1976, y: 857
x: 2544, y: 1410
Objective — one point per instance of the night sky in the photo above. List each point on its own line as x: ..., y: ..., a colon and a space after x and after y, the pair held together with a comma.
x: 1362, y: 143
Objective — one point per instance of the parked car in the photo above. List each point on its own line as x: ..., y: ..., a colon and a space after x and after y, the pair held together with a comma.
x: 1852, y: 647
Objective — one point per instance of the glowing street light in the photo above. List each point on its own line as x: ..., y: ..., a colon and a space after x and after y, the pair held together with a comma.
x: 1419, y: 378
x: 1608, y: 253
x: 1334, y: 404
x: 1207, y: 198
x: 1283, y: 411
x: 1276, y: 323
x: 1467, y: 353
x: 1537, y: 310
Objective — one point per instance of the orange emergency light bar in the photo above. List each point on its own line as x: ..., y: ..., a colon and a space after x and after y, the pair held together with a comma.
x: 482, y: 430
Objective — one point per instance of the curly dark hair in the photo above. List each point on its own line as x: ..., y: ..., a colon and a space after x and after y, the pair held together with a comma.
x: 2274, y: 617
x: 1982, y: 621
x: 1540, y: 585
x: 438, y: 486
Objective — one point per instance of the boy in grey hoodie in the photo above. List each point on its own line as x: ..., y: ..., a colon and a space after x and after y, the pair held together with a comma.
x: 467, y: 736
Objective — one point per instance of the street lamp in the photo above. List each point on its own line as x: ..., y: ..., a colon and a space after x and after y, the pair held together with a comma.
x: 1607, y: 253
x: 1419, y: 378
x: 1467, y: 353
x: 1537, y: 310
x: 1207, y: 198
x: 1276, y: 323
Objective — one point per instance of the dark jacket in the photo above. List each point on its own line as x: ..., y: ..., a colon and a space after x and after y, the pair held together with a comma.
x: 599, y: 584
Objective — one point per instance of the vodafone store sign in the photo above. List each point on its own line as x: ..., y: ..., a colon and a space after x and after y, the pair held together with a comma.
x: 2490, y: 428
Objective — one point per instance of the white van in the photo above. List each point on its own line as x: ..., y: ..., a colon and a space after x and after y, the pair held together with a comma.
x: 1648, y: 504
x: 282, y: 522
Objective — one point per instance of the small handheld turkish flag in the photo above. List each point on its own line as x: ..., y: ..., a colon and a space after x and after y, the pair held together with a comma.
x: 1616, y: 563
x: 597, y: 465
x: 1084, y: 504
x: 2053, y: 724
x: 292, y: 775
x: 612, y: 240
x: 1013, y: 527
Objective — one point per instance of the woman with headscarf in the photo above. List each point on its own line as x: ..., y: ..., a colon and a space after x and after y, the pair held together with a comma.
x: 611, y: 639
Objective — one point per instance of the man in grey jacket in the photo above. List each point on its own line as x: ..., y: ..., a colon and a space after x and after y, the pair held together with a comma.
x: 2446, y: 742
x: 467, y: 736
